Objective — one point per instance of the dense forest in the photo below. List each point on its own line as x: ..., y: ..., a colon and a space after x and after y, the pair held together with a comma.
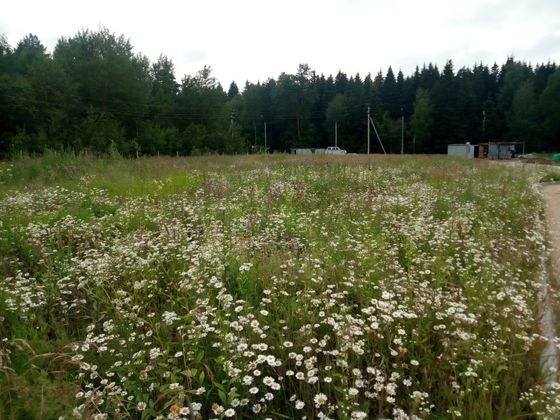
x: 94, y: 93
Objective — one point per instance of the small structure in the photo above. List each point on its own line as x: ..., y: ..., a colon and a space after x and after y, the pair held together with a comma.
x: 333, y: 150
x: 461, y: 150
x: 491, y: 150
x: 301, y: 151
x: 500, y: 150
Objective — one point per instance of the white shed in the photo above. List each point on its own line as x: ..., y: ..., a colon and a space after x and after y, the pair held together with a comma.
x: 461, y: 150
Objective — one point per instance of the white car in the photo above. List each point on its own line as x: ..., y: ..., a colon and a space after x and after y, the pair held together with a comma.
x: 334, y: 150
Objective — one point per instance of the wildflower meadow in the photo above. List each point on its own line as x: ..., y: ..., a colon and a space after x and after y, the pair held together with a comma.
x: 270, y: 287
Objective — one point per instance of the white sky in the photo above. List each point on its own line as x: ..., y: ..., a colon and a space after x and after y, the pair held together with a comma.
x: 254, y: 40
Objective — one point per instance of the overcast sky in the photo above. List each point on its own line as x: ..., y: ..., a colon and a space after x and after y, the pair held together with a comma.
x: 257, y: 39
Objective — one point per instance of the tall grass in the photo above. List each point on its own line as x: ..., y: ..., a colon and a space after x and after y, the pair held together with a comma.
x: 269, y: 286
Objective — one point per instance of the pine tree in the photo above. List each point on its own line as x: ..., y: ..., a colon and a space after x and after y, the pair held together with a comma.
x: 163, y: 99
x: 445, y: 97
x: 390, y: 95
x: 233, y: 90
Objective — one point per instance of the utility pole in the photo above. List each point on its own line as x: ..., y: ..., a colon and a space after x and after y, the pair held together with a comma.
x: 368, y: 120
x: 335, y: 134
x: 483, y: 123
x: 255, y: 131
x: 402, y: 131
x: 378, y: 138
x: 231, y: 123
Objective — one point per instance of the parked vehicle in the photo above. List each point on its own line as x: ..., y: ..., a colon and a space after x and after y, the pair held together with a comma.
x: 334, y: 150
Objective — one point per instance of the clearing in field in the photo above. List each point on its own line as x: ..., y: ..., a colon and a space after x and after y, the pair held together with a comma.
x: 270, y: 287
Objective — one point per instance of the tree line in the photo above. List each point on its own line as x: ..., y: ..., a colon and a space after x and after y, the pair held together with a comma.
x: 94, y: 93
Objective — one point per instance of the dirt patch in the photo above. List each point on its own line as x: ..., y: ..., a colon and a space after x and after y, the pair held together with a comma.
x: 549, y: 357
x: 552, y: 201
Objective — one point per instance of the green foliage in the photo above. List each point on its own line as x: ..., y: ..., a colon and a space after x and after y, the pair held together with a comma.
x: 337, y: 110
x: 28, y: 142
x: 336, y: 113
x: 94, y: 81
x: 492, y: 121
x: 448, y: 107
x: 233, y: 91
x: 390, y: 133
x: 551, y: 176
x: 422, y: 120
x: 202, y: 101
x: 524, y: 116
x: 99, y: 132
x: 5, y: 48
x: 163, y: 99
x: 108, y: 75
x: 550, y: 105
x: 390, y: 95
x: 154, y: 139
x: 513, y: 75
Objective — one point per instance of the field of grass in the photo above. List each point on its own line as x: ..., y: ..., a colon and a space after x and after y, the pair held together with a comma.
x: 270, y: 287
